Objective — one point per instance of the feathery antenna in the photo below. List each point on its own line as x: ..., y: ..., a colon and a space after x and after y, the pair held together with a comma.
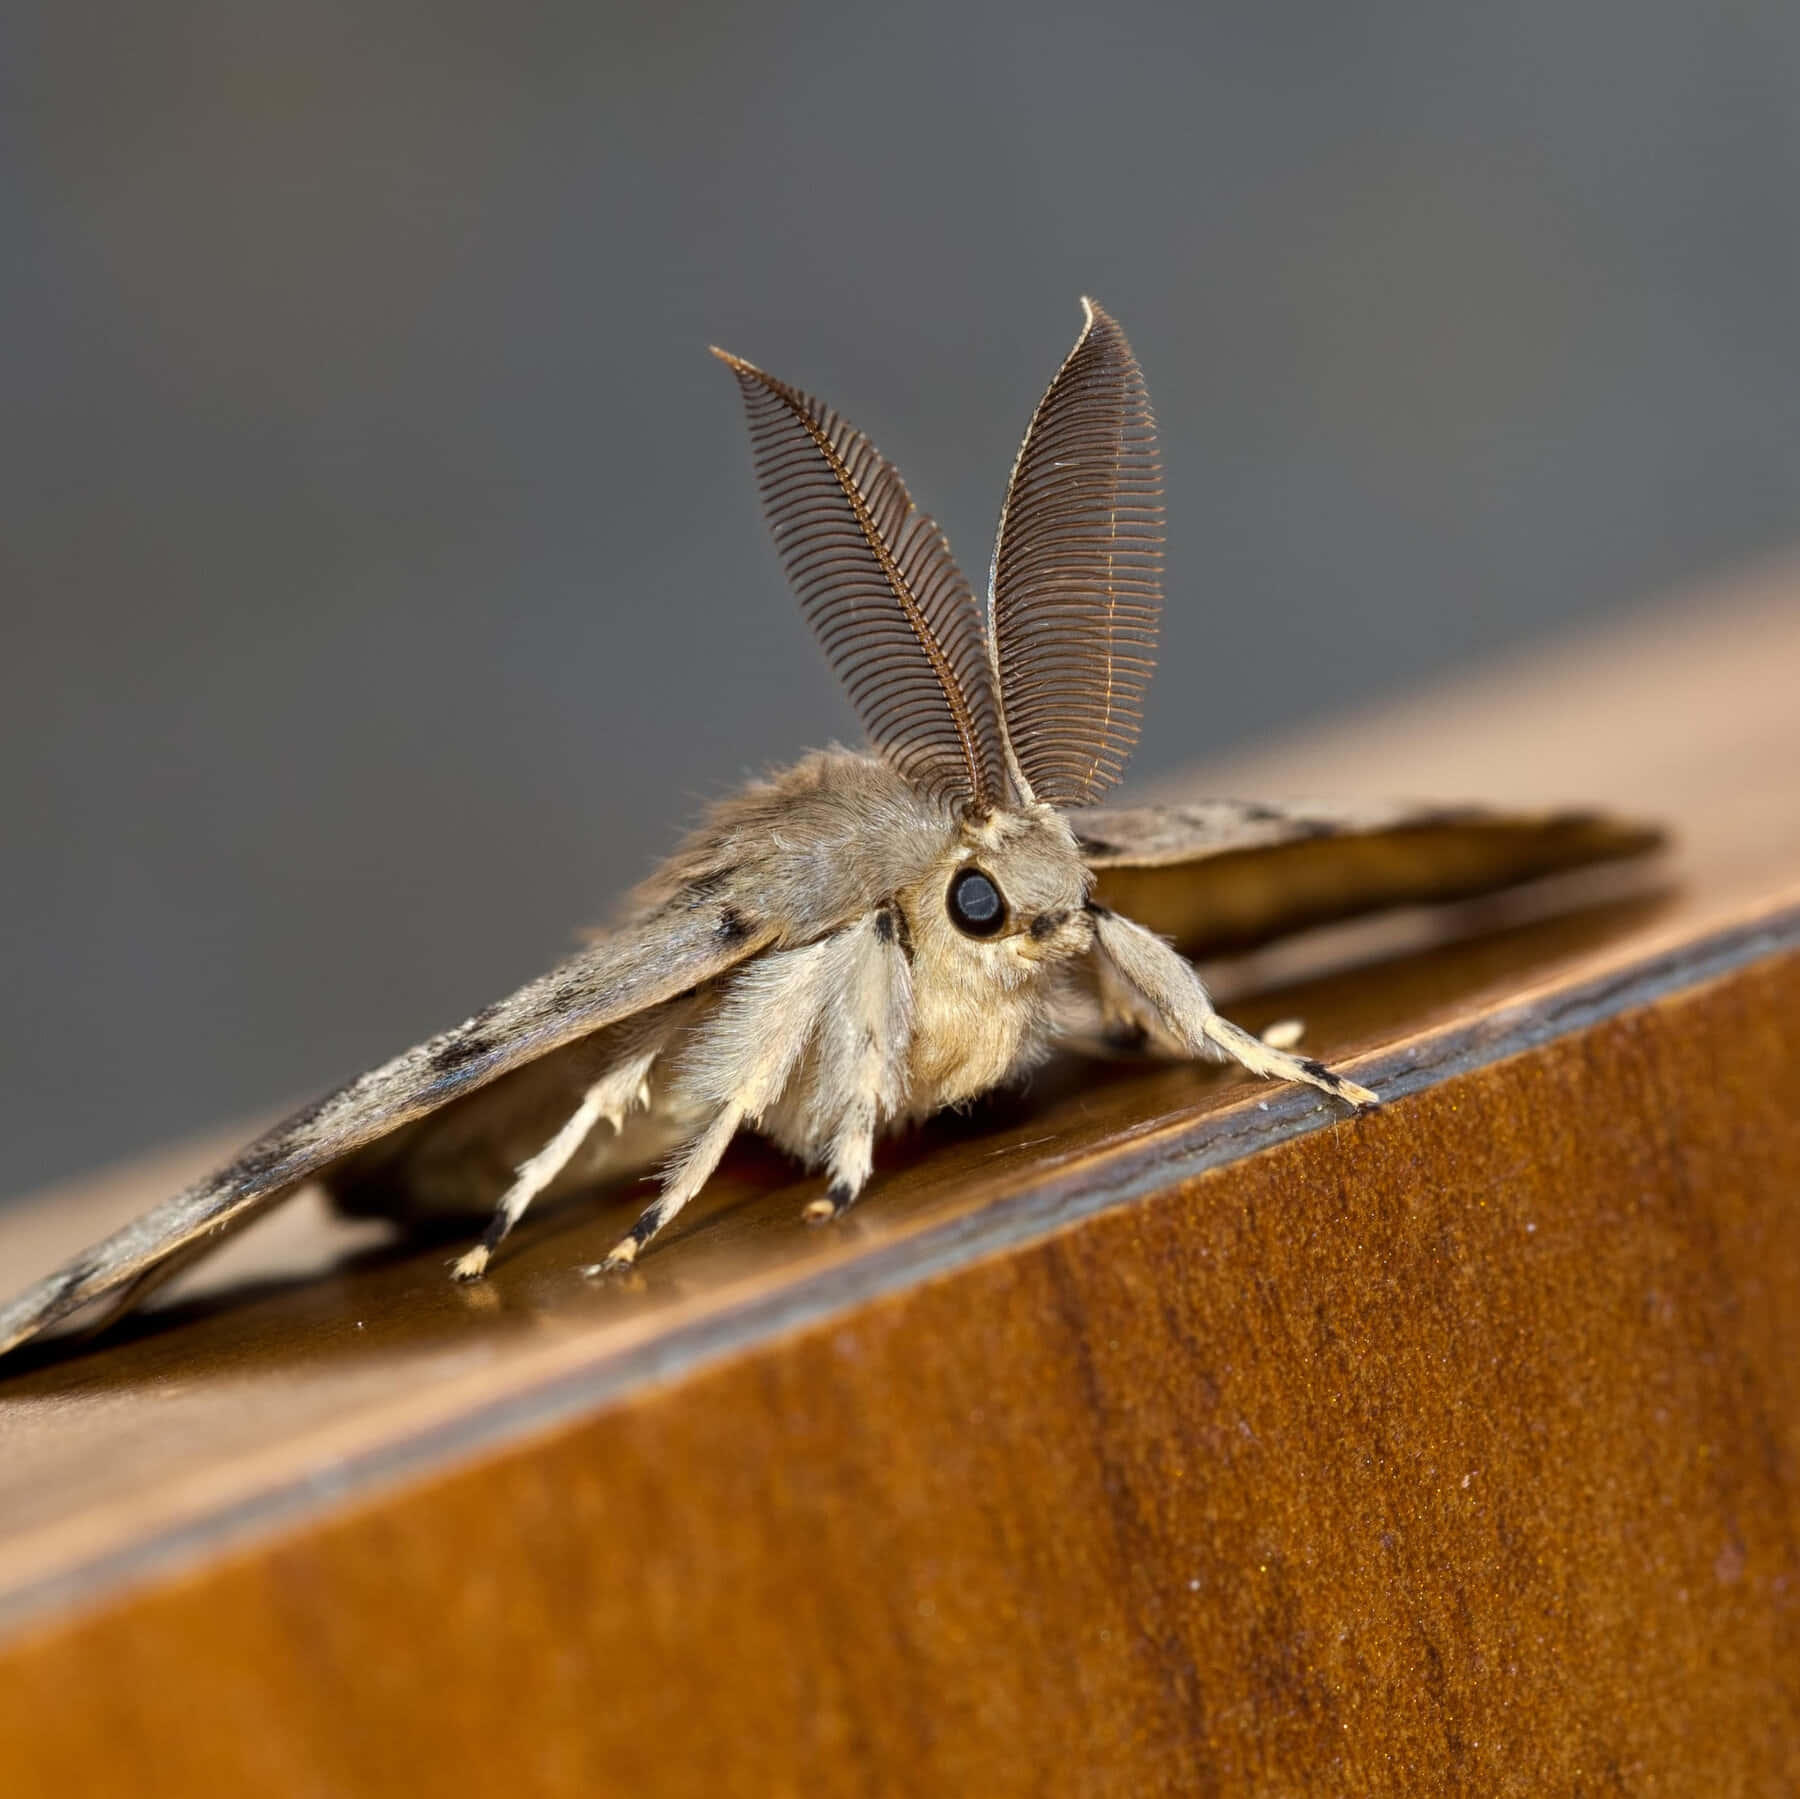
x: 1075, y: 587
x: 879, y: 586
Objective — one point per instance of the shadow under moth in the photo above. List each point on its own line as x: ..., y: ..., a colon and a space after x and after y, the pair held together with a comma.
x: 869, y: 936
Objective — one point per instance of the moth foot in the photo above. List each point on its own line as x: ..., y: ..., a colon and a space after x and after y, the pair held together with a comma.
x: 472, y: 1266
x: 1284, y: 1033
x: 834, y: 1203
x: 1359, y: 1099
x: 617, y: 1260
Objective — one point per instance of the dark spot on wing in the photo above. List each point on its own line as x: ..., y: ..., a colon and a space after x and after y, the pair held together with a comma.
x: 1096, y: 846
x: 458, y: 1050
x: 1261, y: 815
x: 574, y: 986
x: 1048, y: 923
x: 733, y: 926
x: 1096, y: 910
x: 76, y: 1275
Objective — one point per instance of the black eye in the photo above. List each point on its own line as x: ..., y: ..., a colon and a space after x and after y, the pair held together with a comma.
x: 975, y: 903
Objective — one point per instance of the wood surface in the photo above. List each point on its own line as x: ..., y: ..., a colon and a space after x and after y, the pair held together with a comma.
x: 1153, y: 1431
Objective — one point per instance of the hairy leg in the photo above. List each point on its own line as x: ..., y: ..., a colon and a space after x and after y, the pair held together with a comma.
x: 685, y: 1177
x: 1172, y: 990
x: 860, y: 1080
x: 735, y: 1068
x: 622, y: 1089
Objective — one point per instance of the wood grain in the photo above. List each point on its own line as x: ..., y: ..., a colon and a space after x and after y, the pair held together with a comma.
x: 1150, y: 1432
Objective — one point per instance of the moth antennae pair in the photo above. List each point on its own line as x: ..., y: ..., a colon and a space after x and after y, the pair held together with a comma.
x: 1043, y: 704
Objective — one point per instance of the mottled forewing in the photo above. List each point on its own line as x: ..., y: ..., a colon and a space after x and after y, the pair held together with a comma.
x: 649, y: 961
x: 1221, y: 876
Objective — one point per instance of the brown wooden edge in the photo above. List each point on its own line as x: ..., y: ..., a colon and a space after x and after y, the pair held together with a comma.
x: 1041, y: 1204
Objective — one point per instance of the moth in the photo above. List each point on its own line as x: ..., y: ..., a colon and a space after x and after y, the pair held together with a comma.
x: 873, y: 935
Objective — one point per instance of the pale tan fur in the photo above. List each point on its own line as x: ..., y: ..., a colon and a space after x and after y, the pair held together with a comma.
x: 897, y: 1013
x: 892, y: 1012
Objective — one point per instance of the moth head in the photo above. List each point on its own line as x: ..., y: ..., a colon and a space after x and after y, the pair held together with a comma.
x: 1005, y: 900
x: 1038, y: 703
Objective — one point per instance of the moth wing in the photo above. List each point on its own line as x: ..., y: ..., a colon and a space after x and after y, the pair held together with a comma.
x: 1223, y: 876
x: 641, y: 965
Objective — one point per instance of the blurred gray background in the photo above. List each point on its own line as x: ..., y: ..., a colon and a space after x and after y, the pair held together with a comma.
x: 381, y: 570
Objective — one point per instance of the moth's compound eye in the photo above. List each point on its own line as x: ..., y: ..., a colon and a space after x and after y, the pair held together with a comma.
x: 975, y: 903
